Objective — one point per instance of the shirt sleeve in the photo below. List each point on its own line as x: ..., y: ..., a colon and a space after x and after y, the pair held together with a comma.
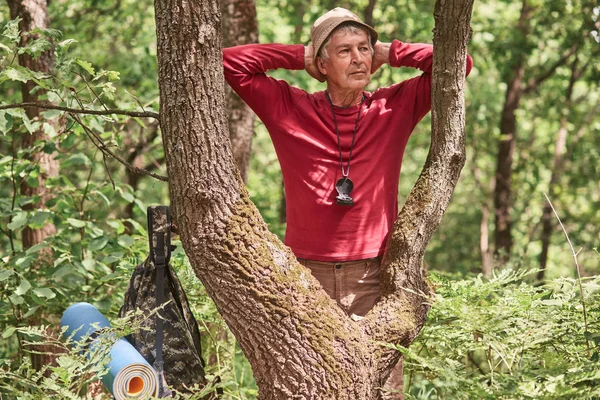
x: 419, y: 56
x: 245, y: 66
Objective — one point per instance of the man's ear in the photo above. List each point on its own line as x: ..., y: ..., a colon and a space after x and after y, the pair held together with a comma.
x: 321, y: 66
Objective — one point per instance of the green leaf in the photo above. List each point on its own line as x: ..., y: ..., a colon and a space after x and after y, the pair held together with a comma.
x: 49, y: 148
x: 77, y: 159
x: 89, y: 264
x: 109, y: 90
x: 49, y: 32
x: 5, y: 48
x: 17, y: 73
x: 98, y: 243
x: 23, y: 287
x: 594, y: 337
x: 87, y: 66
x: 51, y: 114
x: 126, y: 241
x: 6, y: 122
x: 31, y: 311
x: 5, y: 274
x: 16, y: 299
x: 11, y: 30
x: 23, y: 262
x: 39, y: 218
x: 32, y: 127
x: 113, y: 76
x: 102, y: 197
x: 49, y: 130
x: 77, y: 223
x: 8, y: 332
x: 18, y: 220
x: 44, y: 292
x: 65, y: 44
x: 32, y: 179
x: 128, y: 197
x: 36, y: 47
x: 36, y: 248
x: 116, y: 225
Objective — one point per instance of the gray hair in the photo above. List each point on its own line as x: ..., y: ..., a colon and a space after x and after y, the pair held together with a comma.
x: 345, y: 27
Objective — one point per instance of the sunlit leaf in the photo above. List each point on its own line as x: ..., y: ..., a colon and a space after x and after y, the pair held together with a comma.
x: 5, y: 274
x: 16, y: 299
x: 44, y: 292
x: 87, y: 66
x: 8, y: 332
x: 23, y: 287
x: 19, y: 220
x: 76, y: 223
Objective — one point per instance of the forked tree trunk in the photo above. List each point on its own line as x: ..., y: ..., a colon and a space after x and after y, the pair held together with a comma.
x: 239, y: 27
x: 299, y: 342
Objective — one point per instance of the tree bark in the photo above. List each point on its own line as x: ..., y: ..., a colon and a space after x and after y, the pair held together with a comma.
x: 34, y: 14
x: 239, y: 27
x: 298, y: 341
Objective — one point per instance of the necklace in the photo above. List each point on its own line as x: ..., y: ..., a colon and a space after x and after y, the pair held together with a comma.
x: 344, y: 185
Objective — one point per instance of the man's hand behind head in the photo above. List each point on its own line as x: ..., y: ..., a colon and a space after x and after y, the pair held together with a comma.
x: 309, y: 63
x: 381, y: 55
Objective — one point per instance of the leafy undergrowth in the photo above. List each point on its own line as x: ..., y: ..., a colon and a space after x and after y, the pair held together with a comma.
x: 502, y: 338
x: 507, y: 339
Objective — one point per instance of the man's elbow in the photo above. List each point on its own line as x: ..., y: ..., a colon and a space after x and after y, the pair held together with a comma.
x: 469, y: 65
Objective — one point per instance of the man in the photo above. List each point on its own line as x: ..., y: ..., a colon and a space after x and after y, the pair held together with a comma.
x: 340, y: 150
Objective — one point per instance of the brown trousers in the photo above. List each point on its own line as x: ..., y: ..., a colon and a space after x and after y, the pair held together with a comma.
x: 354, y: 285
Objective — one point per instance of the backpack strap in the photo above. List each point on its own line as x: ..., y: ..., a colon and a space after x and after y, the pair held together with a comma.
x: 159, y: 235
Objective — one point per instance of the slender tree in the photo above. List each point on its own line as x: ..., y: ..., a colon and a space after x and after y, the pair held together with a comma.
x: 298, y: 341
x: 34, y: 14
x: 519, y: 82
x: 239, y: 27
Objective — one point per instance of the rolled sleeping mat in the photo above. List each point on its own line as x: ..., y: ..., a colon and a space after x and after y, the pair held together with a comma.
x: 129, y: 376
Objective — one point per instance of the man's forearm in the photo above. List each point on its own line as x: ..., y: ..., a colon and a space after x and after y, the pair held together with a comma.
x: 259, y: 58
x: 414, y: 55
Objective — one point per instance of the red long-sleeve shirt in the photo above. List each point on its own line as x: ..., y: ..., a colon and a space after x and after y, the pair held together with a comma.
x: 302, y: 130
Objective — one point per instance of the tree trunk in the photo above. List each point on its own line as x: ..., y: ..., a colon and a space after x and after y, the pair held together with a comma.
x: 508, y: 133
x: 34, y: 14
x: 487, y: 265
x: 299, y: 343
x: 557, y: 168
x: 369, y: 12
x: 239, y: 27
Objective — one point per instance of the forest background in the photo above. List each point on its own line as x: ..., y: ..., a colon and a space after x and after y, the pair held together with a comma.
x: 512, y: 318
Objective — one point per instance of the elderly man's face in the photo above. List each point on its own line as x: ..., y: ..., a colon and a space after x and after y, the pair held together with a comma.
x: 349, y: 63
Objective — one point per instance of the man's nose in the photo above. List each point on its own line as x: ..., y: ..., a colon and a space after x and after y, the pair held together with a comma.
x: 356, y: 56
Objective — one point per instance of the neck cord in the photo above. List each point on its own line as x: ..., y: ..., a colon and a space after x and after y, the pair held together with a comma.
x: 346, y: 172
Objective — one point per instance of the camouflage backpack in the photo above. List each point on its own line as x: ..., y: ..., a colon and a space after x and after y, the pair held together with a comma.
x: 170, y: 341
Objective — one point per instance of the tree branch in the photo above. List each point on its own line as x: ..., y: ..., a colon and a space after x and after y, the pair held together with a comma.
x: 536, y: 81
x: 50, y: 106
x: 401, y: 312
x: 99, y: 143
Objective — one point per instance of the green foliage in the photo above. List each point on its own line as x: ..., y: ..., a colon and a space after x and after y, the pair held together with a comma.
x: 507, y: 339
